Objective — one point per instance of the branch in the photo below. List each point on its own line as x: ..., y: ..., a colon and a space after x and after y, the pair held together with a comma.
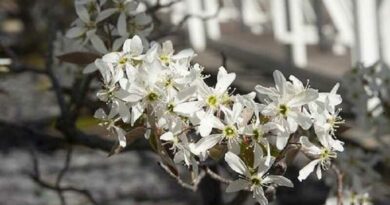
x: 49, y: 67
x: 21, y: 135
x: 36, y: 177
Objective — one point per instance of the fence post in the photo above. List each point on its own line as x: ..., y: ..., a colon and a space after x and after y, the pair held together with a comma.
x: 196, y: 29
x: 366, y: 48
x: 212, y: 24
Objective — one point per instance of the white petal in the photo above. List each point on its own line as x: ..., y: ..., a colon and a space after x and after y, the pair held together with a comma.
x: 187, y: 108
x: 224, y: 80
x: 168, y: 136
x: 265, y: 91
x: 111, y: 57
x: 82, y: 12
x: 236, y: 163
x: 121, y: 136
x: 98, y: 44
x: 303, y: 120
x: 206, y: 143
x: 297, y: 83
x: 206, y: 125
x: 303, y: 98
x: 281, y: 140
x: 75, y: 32
x: 264, y: 167
x: 100, y: 114
x: 278, y: 180
x: 318, y: 172
x: 234, y: 146
x: 186, y: 93
x: 124, y: 111
x: 90, y: 68
x: 292, y: 123
x: 118, y: 43
x: 105, y: 14
x: 179, y: 156
x: 280, y: 82
x: 167, y: 48
x: 187, y: 53
x: 136, y: 111
x: 121, y: 25
x: 258, y: 155
x: 136, y: 47
x: 258, y: 193
x: 305, y: 171
x: 127, y: 97
x: 307, y: 145
x: 237, y: 185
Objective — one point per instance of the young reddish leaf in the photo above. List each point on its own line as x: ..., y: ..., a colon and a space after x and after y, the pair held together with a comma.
x: 80, y: 58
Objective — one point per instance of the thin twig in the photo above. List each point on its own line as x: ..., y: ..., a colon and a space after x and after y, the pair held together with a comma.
x: 62, y: 173
x: 159, y: 6
x: 192, y: 187
x: 217, y: 176
x: 340, y: 177
x: 47, y: 185
x: 175, y: 29
x: 37, y: 178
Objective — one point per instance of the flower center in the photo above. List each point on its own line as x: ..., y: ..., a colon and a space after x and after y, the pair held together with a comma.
x: 255, y: 180
x: 257, y: 134
x: 122, y: 60
x: 334, y: 122
x: 229, y: 132
x: 212, y: 101
x: 152, y: 96
x: 326, y: 156
x: 170, y: 107
x: 283, y: 109
x: 168, y: 82
x: 165, y: 59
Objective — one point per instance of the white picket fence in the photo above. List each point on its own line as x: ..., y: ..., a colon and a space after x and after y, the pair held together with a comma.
x: 357, y: 25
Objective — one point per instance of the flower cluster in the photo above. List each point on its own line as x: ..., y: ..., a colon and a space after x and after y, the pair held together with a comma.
x: 188, y: 121
x: 105, y: 25
x: 369, y: 91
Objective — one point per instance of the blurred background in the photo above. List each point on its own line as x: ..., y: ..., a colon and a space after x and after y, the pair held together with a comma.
x: 320, y: 40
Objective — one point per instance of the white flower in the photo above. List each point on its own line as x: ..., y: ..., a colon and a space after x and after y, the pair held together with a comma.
x: 322, y: 157
x: 211, y: 99
x: 167, y: 112
x: 253, y: 179
x: 286, y: 106
x: 129, y: 58
x: 258, y: 132
x: 229, y: 131
x: 166, y: 55
x: 109, y: 121
x: 85, y: 25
